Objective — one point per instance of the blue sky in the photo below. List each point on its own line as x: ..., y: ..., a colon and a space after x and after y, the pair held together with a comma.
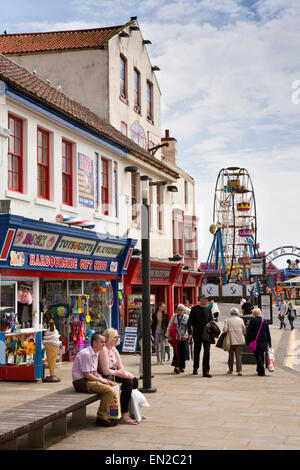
x: 229, y: 71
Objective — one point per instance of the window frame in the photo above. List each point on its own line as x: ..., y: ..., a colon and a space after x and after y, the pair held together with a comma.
x: 137, y: 89
x: 46, y: 166
x: 139, y: 135
x: 124, y: 126
x: 134, y: 197
x: 19, y: 156
x: 123, y: 79
x: 159, y: 203
x: 106, y: 188
x: 68, y: 175
x: 149, y: 99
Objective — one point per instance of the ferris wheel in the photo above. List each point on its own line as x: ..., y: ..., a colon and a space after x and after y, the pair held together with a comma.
x: 234, y: 224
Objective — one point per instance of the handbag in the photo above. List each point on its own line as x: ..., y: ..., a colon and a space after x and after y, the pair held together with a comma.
x: 226, y: 343
x: 219, y: 343
x: 253, y: 344
x: 115, y: 406
x: 271, y: 360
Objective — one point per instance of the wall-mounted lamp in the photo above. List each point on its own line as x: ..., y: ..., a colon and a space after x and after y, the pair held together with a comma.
x: 147, y: 41
x: 176, y: 258
x: 155, y: 68
x: 172, y: 189
x: 158, y: 183
x: 124, y: 34
x: 186, y: 267
x: 131, y: 169
x: 136, y: 252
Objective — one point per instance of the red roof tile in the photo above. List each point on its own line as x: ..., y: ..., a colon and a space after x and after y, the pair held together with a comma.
x: 20, y: 78
x: 56, y: 40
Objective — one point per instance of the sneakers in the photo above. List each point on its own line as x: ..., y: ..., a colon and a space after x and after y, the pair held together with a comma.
x: 106, y: 423
x: 176, y: 370
x: 240, y: 374
x: 229, y: 372
x: 207, y: 375
x: 181, y: 370
x: 195, y: 372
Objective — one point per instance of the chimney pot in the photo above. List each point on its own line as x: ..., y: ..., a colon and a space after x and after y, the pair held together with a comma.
x: 167, y: 133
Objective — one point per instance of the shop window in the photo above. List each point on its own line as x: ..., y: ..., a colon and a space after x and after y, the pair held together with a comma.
x: 25, y: 300
x: 188, y: 241
x: 137, y: 90
x: 15, y: 154
x: 43, y: 164
x: 75, y: 287
x: 123, y: 77
x: 99, y: 304
x: 137, y: 134
x: 149, y: 97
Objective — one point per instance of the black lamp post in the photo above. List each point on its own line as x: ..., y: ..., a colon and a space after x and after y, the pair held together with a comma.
x: 146, y: 309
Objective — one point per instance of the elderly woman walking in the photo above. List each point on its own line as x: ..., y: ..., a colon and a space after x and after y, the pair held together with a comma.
x: 258, y: 330
x: 235, y: 328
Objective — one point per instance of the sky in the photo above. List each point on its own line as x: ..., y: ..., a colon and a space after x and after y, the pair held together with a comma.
x: 230, y: 81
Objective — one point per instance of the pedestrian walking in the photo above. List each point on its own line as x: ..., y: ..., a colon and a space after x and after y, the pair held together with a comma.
x: 214, y: 309
x: 200, y: 316
x: 234, y: 326
x: 247, y: 307
x: 291, y: 314
x: 282, y: 313
x: 263, y: 339
x: 179, y: 320
x: 159, y: 329
x: 167, y: 352
x: 86, y: 379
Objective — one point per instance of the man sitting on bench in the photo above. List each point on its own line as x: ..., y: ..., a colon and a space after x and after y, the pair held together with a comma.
x: 87, y: 380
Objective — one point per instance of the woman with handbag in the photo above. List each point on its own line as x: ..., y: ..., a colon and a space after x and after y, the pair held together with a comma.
x: 291, y: 314
x: 235, y: 329
x: 111, y: 367
x: 258, y: 332
x: 179, y: 320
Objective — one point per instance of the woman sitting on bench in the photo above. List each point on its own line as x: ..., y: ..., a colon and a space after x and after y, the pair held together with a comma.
x: 111, y: 367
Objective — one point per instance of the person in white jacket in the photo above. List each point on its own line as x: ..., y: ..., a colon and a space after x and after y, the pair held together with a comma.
x: 235, y: 327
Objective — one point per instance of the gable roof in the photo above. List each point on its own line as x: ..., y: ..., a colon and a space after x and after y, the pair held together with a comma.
x: 20, y: 79
x: 57, y: 40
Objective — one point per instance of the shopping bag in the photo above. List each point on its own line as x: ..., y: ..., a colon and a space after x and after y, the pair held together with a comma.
x: 226, y: 343
x: 219, y: 343
x: 115, y: 406
x: 271, y: 360
x: 137, y: 401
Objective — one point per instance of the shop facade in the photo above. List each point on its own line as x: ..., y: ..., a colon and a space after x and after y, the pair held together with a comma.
x: 65, y: 273
x: 169, y: 283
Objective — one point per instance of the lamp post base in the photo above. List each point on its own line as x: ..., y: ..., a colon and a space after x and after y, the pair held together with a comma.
x: 147, y: 390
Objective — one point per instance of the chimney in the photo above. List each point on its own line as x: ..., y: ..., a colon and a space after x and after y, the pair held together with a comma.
x: 170, y: 152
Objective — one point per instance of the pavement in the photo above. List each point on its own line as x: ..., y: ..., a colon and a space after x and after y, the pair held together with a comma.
x: 190, y: 412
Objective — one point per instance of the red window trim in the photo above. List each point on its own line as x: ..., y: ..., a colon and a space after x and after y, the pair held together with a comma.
x: 68, y: 175
x: 104, y: 188
x: 20, y: 156
x: 46, y: 166
x: 123, y: 80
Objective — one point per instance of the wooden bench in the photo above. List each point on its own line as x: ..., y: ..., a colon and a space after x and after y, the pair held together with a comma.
x: 31, y: 417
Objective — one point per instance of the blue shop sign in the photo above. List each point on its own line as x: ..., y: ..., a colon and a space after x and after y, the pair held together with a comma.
x: 35, y: 245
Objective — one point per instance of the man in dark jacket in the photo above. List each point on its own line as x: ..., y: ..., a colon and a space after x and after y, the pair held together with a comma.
x: 200, y: 317
x: 247, y: 307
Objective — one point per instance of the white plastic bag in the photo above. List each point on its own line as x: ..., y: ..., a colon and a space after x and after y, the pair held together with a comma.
x: 271, y: 360
x: 137, y: 401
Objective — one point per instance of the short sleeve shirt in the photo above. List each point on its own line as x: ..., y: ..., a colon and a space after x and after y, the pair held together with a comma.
x: 85, y: 361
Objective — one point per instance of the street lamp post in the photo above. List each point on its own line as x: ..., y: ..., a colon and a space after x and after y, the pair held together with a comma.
x: 146, y: 310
